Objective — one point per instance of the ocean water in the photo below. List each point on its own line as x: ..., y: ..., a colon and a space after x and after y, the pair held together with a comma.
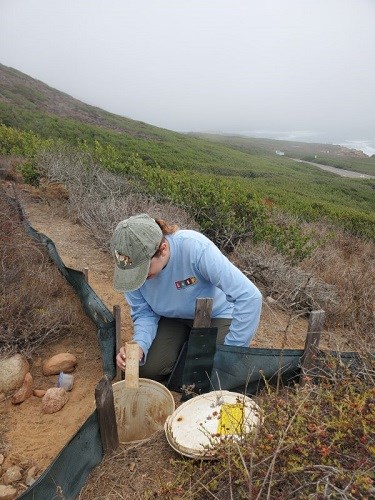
x: 366, y: 145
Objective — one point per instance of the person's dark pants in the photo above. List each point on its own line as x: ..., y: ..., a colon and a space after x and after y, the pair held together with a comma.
x: 171, y: 335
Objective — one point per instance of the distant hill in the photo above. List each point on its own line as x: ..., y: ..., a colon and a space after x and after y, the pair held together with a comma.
x: 26, y: 93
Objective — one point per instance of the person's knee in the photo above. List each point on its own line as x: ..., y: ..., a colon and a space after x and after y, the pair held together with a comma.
x: 164, y: 351
x: 156, y: 372
x: 222, y: 325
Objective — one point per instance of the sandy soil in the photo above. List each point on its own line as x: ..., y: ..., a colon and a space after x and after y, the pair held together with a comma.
x: 32, y: 437
x: 35, y: 438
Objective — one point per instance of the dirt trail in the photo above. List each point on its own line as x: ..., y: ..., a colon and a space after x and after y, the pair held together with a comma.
x: 32, y: 437
x: 338, y: 171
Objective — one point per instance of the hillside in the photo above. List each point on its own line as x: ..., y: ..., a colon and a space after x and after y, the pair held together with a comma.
x: 27, y: 93
x: 216, y: 170
x: 293, y: 149
x: 326, y: 154
x: 33, y: 96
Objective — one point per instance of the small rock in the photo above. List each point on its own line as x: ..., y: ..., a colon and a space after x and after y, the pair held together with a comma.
x: 63, y: 362
x: 23, y: 464
x: 30, y: 481
x: 132, y: 466
x: 7, y: 492
x: 39, y: 393
x: 2, y: 458
x: 31, y: 472
x: 2, y: 397
x: 30, y: 476
x: 25, y: 391
x: 12, y: 372
x: 11, y: 475
x: 54, y: 399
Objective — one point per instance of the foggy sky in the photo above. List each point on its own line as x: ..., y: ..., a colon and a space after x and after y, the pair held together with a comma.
x: 271, y: 66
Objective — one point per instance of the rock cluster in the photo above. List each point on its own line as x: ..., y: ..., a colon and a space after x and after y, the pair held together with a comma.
x: 15, y: 375
x: 15, y: 479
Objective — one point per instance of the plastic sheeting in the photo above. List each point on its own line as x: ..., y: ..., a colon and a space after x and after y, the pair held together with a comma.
x: 246, y: 369
x: 238, y: 369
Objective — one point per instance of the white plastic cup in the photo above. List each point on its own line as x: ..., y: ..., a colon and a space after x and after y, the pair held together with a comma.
x: 65, y: 381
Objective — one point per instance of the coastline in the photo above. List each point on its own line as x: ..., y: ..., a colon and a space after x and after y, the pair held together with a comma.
x: 365, y: 145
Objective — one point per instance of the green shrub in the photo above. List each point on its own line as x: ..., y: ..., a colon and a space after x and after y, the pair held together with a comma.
x: 227, y: 207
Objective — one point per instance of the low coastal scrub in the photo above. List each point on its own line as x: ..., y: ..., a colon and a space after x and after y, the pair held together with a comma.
x: 101, y: 188
x: 231, y: 206
x: 315, y: 442
x: 36, y: 305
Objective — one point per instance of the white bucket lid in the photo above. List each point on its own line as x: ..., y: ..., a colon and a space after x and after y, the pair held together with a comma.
x: 200, y: 424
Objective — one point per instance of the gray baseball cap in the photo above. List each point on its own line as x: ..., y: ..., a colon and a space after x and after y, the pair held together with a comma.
x: 134, y: 242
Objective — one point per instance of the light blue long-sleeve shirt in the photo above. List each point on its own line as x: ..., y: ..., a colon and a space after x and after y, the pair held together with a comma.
x: 196, y: 269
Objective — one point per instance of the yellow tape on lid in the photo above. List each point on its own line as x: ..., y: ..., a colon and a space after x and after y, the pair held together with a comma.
x: 231, y: 419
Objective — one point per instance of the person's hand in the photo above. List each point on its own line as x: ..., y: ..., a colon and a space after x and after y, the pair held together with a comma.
x: 121, y: 357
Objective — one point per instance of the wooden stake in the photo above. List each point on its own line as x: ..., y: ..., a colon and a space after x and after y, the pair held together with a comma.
x: 117, y: 315
x: 106, y: 414
x: 203, y: 310
x: 86, y: 273
x: 314, y: 330
x: 132, y: 365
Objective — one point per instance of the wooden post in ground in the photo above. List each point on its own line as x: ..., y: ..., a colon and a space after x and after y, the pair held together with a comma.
x: 314, y: 330
x: 106, y: 414
x: 202, y: 319
x: 86, y: 273
x: 117, y: 316
x: 203, y: 310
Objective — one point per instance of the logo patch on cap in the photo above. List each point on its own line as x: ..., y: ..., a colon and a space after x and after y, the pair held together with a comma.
x: 122, y: 260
